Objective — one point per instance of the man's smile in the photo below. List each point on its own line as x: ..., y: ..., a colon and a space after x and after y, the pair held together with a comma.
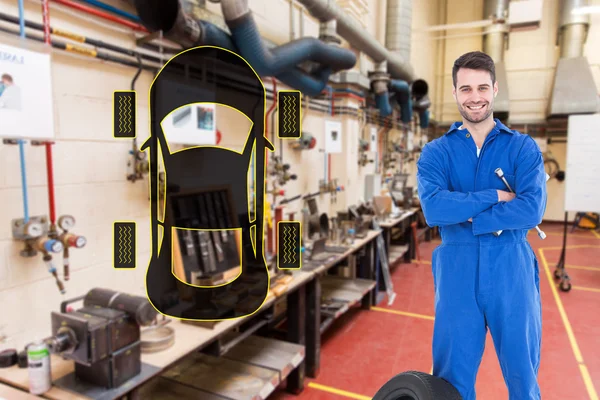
x: 476, y: 107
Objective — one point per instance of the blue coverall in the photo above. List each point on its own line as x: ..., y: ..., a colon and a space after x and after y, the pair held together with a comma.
x: 482, y: 280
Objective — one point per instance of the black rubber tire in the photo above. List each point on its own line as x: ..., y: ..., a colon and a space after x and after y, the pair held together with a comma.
x: 415, y: 385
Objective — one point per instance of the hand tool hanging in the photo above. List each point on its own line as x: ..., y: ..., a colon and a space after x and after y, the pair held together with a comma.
x: 65, y: 222
x: 500, y: 174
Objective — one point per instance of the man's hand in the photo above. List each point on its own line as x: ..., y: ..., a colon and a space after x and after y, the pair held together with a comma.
x: 505, y: 196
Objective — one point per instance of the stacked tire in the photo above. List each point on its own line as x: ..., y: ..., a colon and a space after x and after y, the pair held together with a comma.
x: 415, y: 385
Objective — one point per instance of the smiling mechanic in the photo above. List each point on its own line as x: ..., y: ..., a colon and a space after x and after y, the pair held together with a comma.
x: 483, y: 279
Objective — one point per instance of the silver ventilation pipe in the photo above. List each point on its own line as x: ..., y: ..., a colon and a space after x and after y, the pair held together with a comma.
x: 495, y: 40
x: 574, y: 89
x: 354, y: 33
x: 398, y: 27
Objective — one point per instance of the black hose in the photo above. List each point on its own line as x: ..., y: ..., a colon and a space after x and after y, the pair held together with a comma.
x: 83, y: 51
x: 80, y: 39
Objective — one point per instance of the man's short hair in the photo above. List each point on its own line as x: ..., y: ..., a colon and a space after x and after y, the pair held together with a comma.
x: 7, y: 77
x: 474, y: 60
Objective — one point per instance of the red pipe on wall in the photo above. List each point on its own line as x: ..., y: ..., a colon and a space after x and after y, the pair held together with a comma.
x: 50, y: 172
x: 101, y: 14
x: 272, y: 229
x: 46, y: 20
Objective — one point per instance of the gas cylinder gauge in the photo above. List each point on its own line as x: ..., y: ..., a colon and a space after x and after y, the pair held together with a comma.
x: 34, y: 229
x: 66, y: 222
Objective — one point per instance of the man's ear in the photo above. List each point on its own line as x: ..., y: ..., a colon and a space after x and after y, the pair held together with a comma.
x: 454, y: 92
x: 495, y: 88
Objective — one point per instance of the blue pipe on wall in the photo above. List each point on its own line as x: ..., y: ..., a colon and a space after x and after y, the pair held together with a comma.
x: 272, y: 62
x: 22, y: 18
x: 312, y: 85
x: 24, y: 180
x: 402, y: 91
x: 382, y: 102
x: 114, y: 10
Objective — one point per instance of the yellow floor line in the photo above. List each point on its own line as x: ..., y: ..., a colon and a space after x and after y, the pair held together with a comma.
x: 406, y: 314
x: 582, y: 267
x: 589, y: 289
x: 344, y: 393
x: 585, y: 375
x: 596, y: 234
x: 421, y: 262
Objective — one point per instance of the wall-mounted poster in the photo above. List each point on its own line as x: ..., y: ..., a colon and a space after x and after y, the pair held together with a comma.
x: 26, y: 103
x: 194, y: 124
x: 333, y: 137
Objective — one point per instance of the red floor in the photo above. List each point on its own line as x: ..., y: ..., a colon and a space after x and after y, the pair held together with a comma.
x: 365, y: 348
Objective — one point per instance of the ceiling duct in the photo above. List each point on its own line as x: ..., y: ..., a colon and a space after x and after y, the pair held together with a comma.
x: 494, y: 43
x: 355, y: 34
x: 398, y: 27
x: 574, y: 89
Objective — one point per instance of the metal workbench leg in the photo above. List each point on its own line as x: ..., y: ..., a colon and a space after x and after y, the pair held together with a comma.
x: 313, y: 327
x: 296, y: 333
x: 367, y: 271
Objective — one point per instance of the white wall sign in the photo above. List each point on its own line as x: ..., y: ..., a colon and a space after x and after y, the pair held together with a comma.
x: 26, y: 102
x: 373, y: 140
x: 333, y: 137
x: 582, y: 174
x: 193, y: 124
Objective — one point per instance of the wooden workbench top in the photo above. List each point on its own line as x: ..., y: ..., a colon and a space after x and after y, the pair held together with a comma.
x: 391, y: 222
x: 188, y: 339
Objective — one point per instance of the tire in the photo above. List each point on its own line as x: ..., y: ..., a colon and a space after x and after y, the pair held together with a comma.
x: 415, y: 385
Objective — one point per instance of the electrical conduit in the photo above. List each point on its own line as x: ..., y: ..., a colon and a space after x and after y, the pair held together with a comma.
x: 111, y: 9
x: 24, y: 180
x: 46, y: 19
x: 50, y: 173
x: 102, y: 14
x: 22, y: 18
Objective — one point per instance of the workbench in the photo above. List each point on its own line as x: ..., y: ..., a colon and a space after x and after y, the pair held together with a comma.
x: 304, y: 295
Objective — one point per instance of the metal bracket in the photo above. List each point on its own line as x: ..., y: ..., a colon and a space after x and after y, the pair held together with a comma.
x: 18, y: 227
x: 149, y: 38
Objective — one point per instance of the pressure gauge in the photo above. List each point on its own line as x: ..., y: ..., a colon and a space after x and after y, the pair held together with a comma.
x: 34, y: 229
x: 80, y: 242
x: 66, y: 222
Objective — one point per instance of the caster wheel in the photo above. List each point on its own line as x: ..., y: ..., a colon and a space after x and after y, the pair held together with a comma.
x: 556, y: 274
x: 414, y: 385
x: 565, y: 286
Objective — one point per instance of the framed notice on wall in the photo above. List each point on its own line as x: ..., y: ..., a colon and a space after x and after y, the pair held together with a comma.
x: 26, y: 102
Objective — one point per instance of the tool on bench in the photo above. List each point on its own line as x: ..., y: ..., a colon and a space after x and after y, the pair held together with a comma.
x: 500, y: 175
x: 102, y: 337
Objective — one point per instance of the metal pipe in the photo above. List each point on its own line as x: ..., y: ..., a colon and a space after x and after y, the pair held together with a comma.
x: 70, y: 48
x: 354, y: 33
x: 398, y: 27
x: 24, y: 180
x: 50, y: 174
x: 22, y: 18
x: 46, y: 19
x: 101, y: 14
x: 572, y: 40
x: 78, y: 38
x: 114, y: 10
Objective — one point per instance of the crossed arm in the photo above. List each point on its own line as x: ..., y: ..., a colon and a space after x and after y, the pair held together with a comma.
x: 444, y: 207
